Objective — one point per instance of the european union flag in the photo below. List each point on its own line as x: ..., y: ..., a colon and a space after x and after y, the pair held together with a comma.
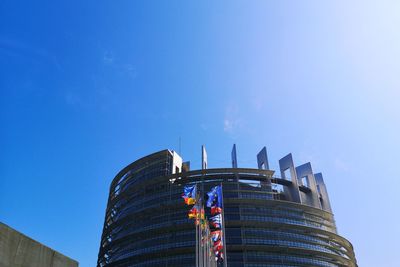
x: 215, y: 199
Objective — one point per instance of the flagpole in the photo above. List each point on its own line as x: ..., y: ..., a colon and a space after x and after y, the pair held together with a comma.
x: 207, y: 244
x: 203, y: 167
x: 200, y: 234
x: 207, y: 250
x: 197, y: 248
x: 197, y: 230
x: 223, y: 227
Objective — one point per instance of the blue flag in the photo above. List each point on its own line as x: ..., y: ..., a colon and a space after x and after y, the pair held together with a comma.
x: 215, y: 197
x: 189, y: 194
x: 189, y: 191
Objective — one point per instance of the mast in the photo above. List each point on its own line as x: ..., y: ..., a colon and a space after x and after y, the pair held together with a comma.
x: 197, y: 233
x: 223, y: 228
x: 202, y: 210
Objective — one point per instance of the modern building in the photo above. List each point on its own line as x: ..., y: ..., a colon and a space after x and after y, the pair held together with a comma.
x: 18, y: 250
x: 270, y: 220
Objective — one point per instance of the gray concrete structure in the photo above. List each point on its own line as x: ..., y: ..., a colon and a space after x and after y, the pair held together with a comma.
x: 234, y: 157
x: 203, y: 158
x: 18, y: 250
x: 307, y: 186
x: 323, y: 193
x: 288, y: 173
x: 262, y: 159
x: 186, y: 166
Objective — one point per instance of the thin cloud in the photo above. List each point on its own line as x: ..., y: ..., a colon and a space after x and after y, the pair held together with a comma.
x: 109, y: 59
x: 16, y: 48
x: 232, y: 120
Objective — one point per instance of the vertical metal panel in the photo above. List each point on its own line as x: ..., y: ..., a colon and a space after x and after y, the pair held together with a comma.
x: 234, y: 157
x: 309, y: 198
x: 291, y: 191
x: 176, y: 163
x: 262, y: 159
x: 203, y: 157
x: 323, y: 192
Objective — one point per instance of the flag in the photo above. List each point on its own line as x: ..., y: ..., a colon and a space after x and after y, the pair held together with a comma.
x: 190, y: 201
x: 215, y: 210
x: 216, y: 221
x: 216, y: 235
x: 211, y: 196
x: 189, y: 194
x: 219, y: 256
x: 215, y: 199
x: 202, y: 214
x: 200, y: 218
x: 189, y: 191
x: 193, y: 213
x: 218, y: 246
x: 214, y: 196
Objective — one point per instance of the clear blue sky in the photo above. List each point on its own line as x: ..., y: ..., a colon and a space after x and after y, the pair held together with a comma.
x: 86, y: 87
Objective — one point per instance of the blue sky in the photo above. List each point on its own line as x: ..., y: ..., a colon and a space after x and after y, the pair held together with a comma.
x: 86, y: 87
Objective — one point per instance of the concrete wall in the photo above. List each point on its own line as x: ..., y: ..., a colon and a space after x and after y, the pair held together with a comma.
x: 18, y: 250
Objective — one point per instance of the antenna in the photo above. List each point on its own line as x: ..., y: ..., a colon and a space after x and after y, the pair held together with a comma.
x: 180, y: 146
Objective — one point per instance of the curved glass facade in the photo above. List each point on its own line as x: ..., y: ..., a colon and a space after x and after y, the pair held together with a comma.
x: 146, y: 220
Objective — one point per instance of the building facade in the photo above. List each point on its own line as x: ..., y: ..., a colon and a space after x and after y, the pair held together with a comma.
x: 270, y: 220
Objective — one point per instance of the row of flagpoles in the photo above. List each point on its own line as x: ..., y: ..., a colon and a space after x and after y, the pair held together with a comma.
x: 210, y: 241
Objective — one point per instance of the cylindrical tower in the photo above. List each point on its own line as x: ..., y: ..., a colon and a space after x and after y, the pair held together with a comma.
x: 270, y: 221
